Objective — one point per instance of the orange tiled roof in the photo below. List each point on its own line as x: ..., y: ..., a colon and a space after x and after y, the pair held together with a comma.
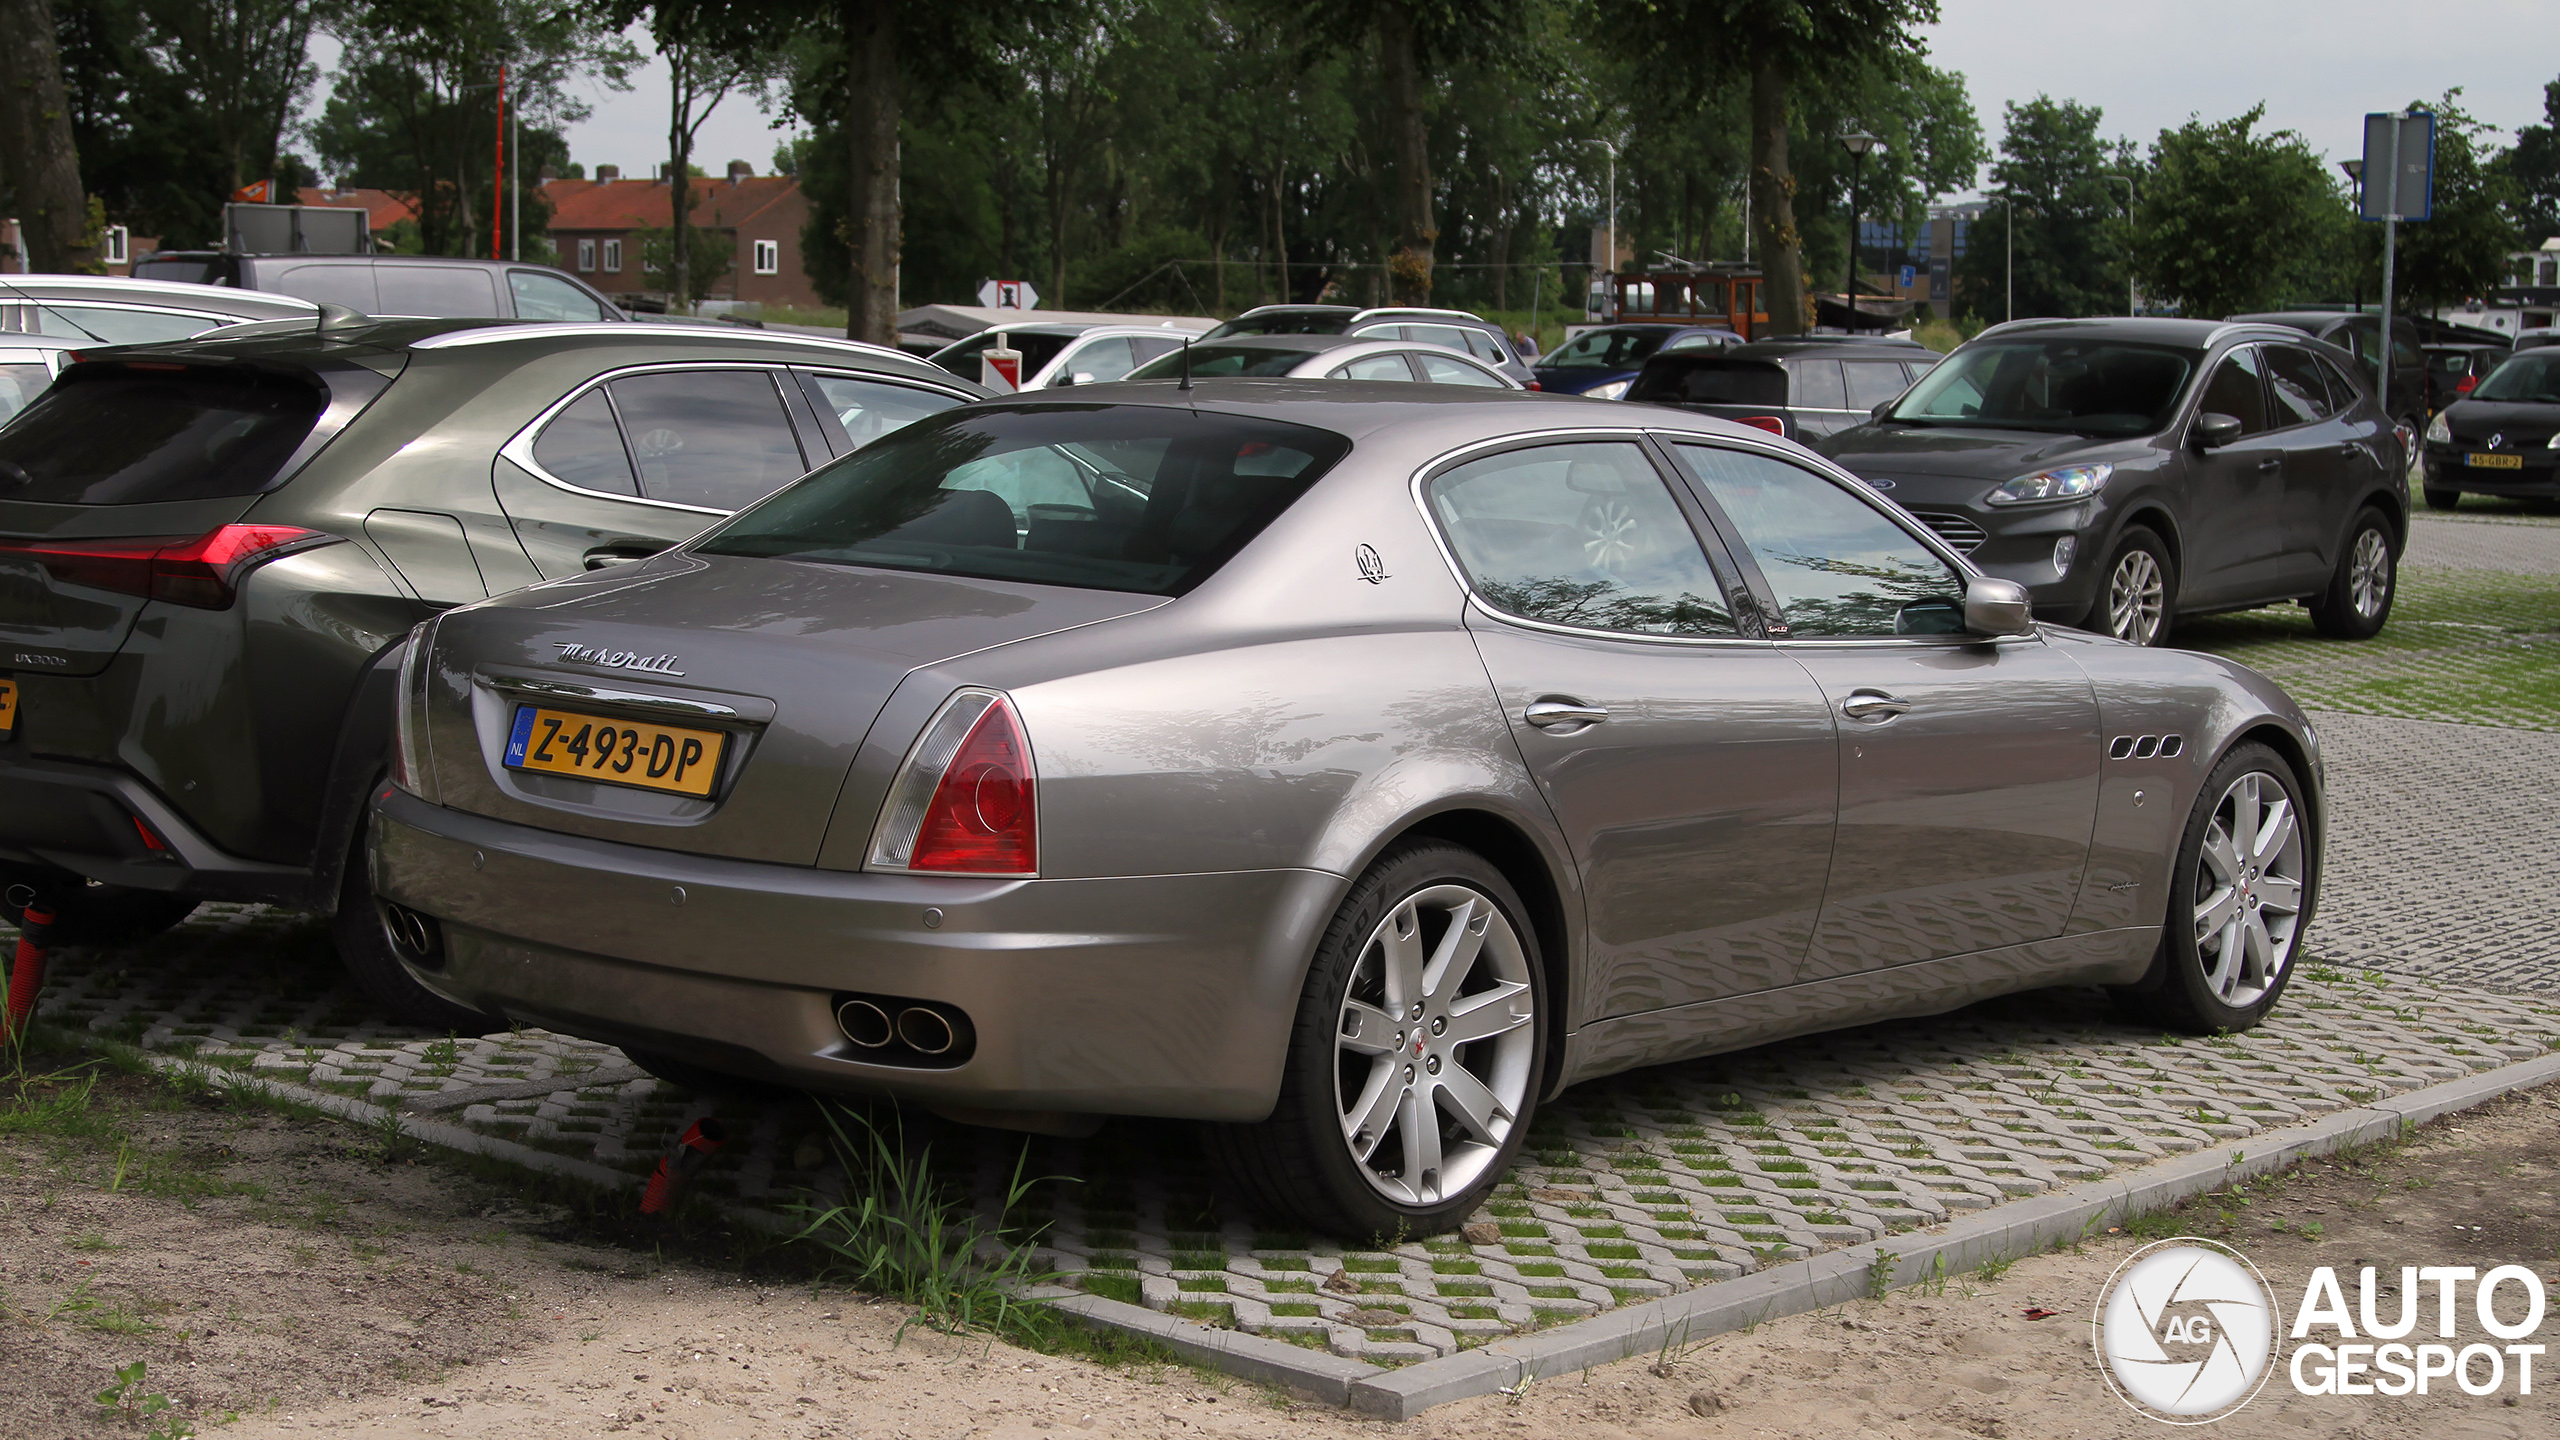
x: 382, y: 208
x: 644, y: 204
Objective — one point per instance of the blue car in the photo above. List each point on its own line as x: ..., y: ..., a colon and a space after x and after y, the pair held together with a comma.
x: 1600, y: 362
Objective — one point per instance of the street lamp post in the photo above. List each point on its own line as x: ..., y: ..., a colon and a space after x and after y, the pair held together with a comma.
x: 1857, y: 143
x: 2127, y: 182
x: 2355, y: 178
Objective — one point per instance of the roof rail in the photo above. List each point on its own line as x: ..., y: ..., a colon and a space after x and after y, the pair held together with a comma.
x: 1418, y: 310
x: 505, y: 332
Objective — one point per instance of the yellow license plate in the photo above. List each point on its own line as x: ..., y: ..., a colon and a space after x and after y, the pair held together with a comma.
x: 617, y: 752
x: 2494, y: 462
x: 8, y: 706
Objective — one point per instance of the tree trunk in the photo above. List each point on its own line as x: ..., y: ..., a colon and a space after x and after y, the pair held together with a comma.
x: 1409, y: 146
x: 1773, y: 206
x: 36, y: 149
x: 871, y: 128
x: 679, y: 182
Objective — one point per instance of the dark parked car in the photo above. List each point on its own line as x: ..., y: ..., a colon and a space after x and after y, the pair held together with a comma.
x: 2360, y: 335
x: 2453, y: 369
x: 1351, y: 767
x: 394, y: 285
x: 2501, y: 439
x: 1602, y: 362
x: 2130, y: 471
x: 1456, y: 329
x: 210, y: 551
x: 1804, y: 389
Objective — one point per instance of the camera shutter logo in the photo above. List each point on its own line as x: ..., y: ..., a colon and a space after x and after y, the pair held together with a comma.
x: 2186, y: 1331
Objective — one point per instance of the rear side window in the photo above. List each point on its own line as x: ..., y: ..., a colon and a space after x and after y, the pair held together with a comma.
x: 2293, y: 378
x: 583, y: 447
x: 1580, y: 535
x: 1703, y: 381
x: 719, y: 439
x: 436, y: 290
x: 1442, y: 370
x: 1872, y: 382
x: 116, y: 436
x: 1389, y: 366
x: 1120, y: 497
x: 1818, y: 384
x: 21, y: 381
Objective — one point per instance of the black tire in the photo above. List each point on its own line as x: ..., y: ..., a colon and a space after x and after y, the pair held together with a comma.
x: 2440, y: 499
x: 2111, y: 614
x: 86, y: 914
x: 2181, y: 991
x: 1297, y: 1166
x: 2358, y: 600
x: 372, y: 960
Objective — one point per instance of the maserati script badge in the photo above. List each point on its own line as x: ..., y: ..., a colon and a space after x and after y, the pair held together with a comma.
x: 577, y: 654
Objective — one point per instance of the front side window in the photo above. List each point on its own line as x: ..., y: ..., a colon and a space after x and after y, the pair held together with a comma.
x: 1132, y: 498
x: 865, y: 410
x: 1449, y: 370
x: 2234, y: 391
x: 2075, y: 387
x: 714, y: 438
x: 1581, y: 535
x: 548, y: 297
x: 1099, y: 361
x: 1036, y: 349
x: 1606, y: 349
x: 1834, y: 563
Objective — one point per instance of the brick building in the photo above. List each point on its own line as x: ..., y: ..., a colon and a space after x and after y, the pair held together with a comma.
x: 596, y: 225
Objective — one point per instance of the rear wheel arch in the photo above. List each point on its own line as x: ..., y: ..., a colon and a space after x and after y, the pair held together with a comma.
x: 1524, y: 862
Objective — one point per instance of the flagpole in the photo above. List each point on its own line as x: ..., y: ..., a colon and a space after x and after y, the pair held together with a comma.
x: 498, y: 172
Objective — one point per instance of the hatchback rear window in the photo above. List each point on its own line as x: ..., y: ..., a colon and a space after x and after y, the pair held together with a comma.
x: 1124, y: 497
x: 1217, y: 362
x: 112, y: 435
x: 1701, y: 380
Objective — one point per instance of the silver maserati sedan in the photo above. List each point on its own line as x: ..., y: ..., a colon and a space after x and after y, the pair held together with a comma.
x: 1350, y: 766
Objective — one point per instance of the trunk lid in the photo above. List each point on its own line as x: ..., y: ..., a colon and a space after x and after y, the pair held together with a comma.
x: 789, y: 661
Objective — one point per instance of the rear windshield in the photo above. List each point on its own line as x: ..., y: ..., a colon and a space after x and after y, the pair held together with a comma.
x: 113, y: 435
x: 1036, y: 351
x: 1606, y: 349
x: 1678, y: 379
x: 1223, y: 362
x: 1122, y: 497
x: 2532, y: 379
x: 2079, y: 387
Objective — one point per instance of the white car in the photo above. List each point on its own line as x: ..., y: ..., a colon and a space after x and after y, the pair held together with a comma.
x: 28, y: 364
x: 1062, y: 352
x: 1328, y: 357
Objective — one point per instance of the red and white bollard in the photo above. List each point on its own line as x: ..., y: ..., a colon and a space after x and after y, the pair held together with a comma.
x: 692, y: 1150
x: 1000, y: 368
x: 26, y: 971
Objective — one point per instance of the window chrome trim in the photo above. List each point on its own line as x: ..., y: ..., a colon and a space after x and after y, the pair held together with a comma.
x: 634, y: 699
x: 519, y: 447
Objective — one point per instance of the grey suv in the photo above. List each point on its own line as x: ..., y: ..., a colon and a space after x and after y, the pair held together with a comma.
x: 2130, y: 471
x: 211, y: 550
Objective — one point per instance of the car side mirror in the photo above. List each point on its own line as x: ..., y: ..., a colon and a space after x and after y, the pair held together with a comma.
x: 1998, y: 607
x: 2213, y: 431
x: 1881, y: 411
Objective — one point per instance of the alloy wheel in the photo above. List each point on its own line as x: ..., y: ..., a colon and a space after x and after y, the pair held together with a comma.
x: 2135, y: 593
x: 1433, y: 1047
x: 2369, y: 574
x: 2249, y: 889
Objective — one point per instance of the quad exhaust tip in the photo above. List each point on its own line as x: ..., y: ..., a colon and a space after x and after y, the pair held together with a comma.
x: 901, y: 1030
x: 925, y: 1031
x: 865, y: 1024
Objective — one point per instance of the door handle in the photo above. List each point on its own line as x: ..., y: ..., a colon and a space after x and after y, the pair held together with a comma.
x: 605, y: 555
x: 2272, y: 462
x: 1565, y: 715
x: 1873, y: 706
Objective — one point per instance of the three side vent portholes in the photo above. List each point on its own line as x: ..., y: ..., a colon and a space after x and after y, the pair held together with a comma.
x: 2145, y: 747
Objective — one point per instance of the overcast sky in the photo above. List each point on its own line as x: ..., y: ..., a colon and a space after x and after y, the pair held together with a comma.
x: 2148, y: 64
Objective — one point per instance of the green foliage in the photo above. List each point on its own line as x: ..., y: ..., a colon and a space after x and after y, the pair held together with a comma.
x: 906, y: 1236
x: 2231, y: 218
x: 126, y: 1400
x: 2533, y: 168
x: 2461, y: 249
x: 2069, y: 235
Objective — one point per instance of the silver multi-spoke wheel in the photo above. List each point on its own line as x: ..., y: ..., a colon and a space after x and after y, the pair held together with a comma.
x: 1433, y: 1051
x: 2249, y: 889
x: 2369, y: 573
x: 2135, y: 592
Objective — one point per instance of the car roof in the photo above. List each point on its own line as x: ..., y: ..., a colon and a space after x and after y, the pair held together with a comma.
x: 2150, y: 329
x: 1798, y: 345
x: 1357, y: 408
x: 1423, y: 313
x: 168, y: 294
x: 1300, y: 342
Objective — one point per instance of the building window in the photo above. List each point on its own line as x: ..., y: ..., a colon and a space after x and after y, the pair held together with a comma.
x: 613, y: 257
x: 768, y: 257
x: 117, y: 240
x: 586, y: 256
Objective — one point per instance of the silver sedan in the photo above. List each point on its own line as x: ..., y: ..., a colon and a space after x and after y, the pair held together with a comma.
x: 1325, y: 357
x: 1351, y: 766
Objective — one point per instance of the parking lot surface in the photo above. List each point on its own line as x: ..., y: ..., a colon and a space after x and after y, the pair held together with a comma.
x: 2432, y: 957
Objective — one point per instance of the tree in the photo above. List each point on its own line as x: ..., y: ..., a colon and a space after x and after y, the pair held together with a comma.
x: 2461, y: 249
x: 2533, y: 167
x: 38, y: 158
x: 2068, y: 240
x: 706, y: 254
x: 1770, y: 45
x: 2229, y: 218
x: 712, y: 50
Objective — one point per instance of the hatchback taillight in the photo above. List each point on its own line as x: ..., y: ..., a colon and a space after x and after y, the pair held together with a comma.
x: 2464, y: 387
x: 967, y: 800
x: 1774, y: 424
x: 203, y: 572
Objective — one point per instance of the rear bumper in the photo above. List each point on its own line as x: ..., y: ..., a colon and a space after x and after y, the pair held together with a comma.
x: 1169, y: 995
x: 80, y: 817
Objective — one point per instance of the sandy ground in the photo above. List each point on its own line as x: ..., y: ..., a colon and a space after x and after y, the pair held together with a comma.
x: 347, y: 1295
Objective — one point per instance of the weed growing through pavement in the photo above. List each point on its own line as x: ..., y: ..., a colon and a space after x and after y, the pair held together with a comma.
x: 905, y: 1235
x: 126, y: 1400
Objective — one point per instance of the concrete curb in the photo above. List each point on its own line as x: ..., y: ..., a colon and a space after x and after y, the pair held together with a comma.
x: 1316, y: 1374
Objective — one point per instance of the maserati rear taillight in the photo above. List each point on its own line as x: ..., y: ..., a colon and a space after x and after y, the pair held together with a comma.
x: 967, y: 800
x: 203, y: 572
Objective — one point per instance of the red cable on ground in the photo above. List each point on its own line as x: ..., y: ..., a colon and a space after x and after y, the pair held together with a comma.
x: 691, y: 1152
x: 26, y: 972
